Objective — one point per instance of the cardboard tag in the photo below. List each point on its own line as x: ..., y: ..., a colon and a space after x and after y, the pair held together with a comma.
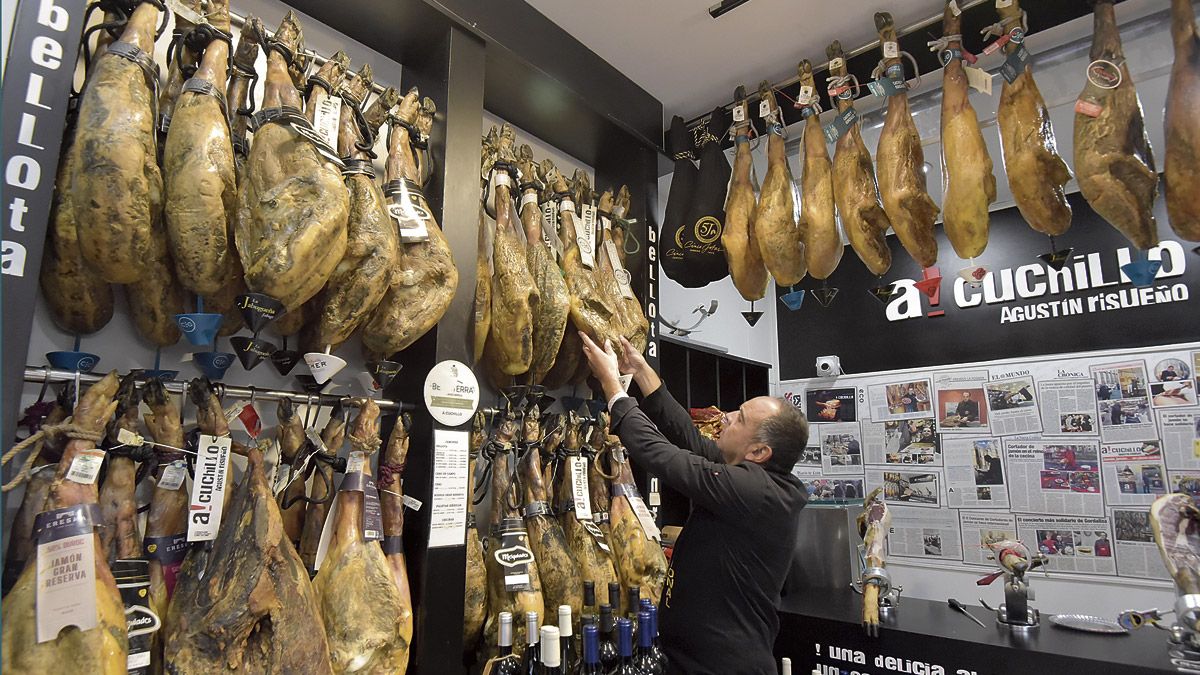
x: 208, y: 488
x: 408, y: 207
x: 979, y: 79
x: 327, y: 118
x: 127, y: 437
x: 655, y: 496
x: 549, y: 220
x: 86, y: 467
x: 891, y: 50
x: 835, y: 64
x: 840, y: 125
x: 231, y: 413
x: 586, y: 233
x: 644, y: 516
x: 315, y: 439
x: 186, y: 13
x: 133, y: 580
x: 885, y: 86
x: 806, y: 95
x: 173, y: 475
x: 514, y: 557
x: 622, y: 274
x: 250, y: 420
x: 66, y: 570
x: 596, y: 533
x: 739, y: 112
x: 412, y: 502
x: 764, y: 108
x: 579, y: 488
x: 372, y: 513
x: 1014, y: 64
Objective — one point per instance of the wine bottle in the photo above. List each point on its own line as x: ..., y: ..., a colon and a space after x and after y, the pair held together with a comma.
x: 589, y: 601
x: 785, y: 666
x: 551, y: 656
x: 660, y: 657
x: 506, y: 663
x: 632, y: 605
x: 533, y: 653
x: 644, y: 658
x: 591, y: 651
x: 566, y: 637
x: 614, y: 598
x: 625, y: 665
x: 608, y: 641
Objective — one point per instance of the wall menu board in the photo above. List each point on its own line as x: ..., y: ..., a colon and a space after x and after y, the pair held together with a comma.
x: 1067, y: 452
x: 1018, y: 309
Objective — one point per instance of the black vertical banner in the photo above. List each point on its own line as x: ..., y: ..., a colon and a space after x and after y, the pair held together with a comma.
x: 44, y: 42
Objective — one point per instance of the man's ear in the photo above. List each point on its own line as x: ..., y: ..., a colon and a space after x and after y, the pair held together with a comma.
x: 759, y: 454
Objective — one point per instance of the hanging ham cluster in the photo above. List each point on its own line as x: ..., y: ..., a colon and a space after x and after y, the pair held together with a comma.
x: 215, y: 196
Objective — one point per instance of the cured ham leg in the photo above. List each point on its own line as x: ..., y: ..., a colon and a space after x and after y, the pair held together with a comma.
x: 741, y: 244
x: 475, y: 597
x: 639, y: 559
x: 1175, y: 520
x: 425, y: 279
x: 854, y: 187
x: 900, y: 164
x: 873, y: 524
x: 254, y: 610
x: 102, y: 649
x: 292, y: 205
x: 359, y: 600
x: 554, y: 302
x: 968, y: 185
x: 166, y: 526
x: 482, y: 317
x: 321, y: 495
x: 780, y: 240
x: 595, y: 563
x: 294, y: 451
x: 1036, y: 172
x: 1182, y: 168
x: 116, y: 184
x: 514, y: 294
x: 391, y: 471
x: 823, y: 245
x: 634, y: 326
x: 118, y: 501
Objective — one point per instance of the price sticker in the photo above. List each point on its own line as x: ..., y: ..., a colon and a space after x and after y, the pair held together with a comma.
x: 172, y: 476
x: 86, y: 467
x: 891, y: 50
x: 764, y: 108
x: 739, y: 112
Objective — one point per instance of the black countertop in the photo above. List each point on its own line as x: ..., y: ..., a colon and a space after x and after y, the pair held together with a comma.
x: 921, y: 635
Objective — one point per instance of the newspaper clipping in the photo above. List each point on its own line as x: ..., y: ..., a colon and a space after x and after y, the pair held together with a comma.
x: 961, y: 406
x: 1181, y: 438
x: 1070, y: 544
x: 1187, y: 482
x: 831, y: 405
x: 1133, y: 473
x: 975, y: 474
x: 1054, y: 477
x: 980, y: 527
x: 1068, y: 408
x: 809, y: 464
x: 1122, y: 402
x: 905, y: 487
x: 1171, y: 384
x: 900, y: 400
x: 1013, y: 406
x: 1137, y: 554
x: 841, y: 449
x: 908, y: 442
x: 835, y: 489
x: 925, y: 533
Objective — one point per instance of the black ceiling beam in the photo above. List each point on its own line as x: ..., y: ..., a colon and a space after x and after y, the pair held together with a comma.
x: 1041, y: 16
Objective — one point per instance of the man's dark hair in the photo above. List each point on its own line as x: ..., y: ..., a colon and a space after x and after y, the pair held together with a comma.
x: 786, y: 433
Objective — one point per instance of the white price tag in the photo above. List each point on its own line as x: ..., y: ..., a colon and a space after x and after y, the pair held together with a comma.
x: 579, y: 488
x: 208, y: 488
x: 185, y: 13
x: 891, y: 50
x: 978, y: 79
x: 327, y: 118
x: 645, y: 518
x: 835, y: 64
x: 412, y: 502
x: 172, y: 476
x: 86, y: 467
x: 586, y: 233
x: 764, y: 108
x: 806, y: 94
x: 622, y: 274
x: 355, y: 462
x: 232, y: 412
x: 739, y: 112
x: 128, y: 437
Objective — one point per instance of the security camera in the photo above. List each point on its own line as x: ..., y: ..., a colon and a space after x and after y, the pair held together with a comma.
x: 829, y: 366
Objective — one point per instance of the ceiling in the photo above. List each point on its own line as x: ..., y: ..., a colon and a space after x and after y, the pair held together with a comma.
x: 692, y: 62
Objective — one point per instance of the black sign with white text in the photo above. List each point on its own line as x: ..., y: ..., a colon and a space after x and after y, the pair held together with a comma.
x: 37, y: 83
x: 1022, y: 308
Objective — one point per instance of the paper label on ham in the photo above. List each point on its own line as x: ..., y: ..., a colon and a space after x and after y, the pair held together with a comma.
x: 250, y: 420
x: 185, y: 13
x: 619, y: 271
x: 354, y: 463
x: 372, y: 516
x: 1014, y: 65
x: 133, y: 580
x: 208, y: 488
x: 586, y: 235
x: 169, y: 551
x: 327, y: 117
x: 840, y: 125
x: 550, y: 224
x: 645, y: 518
x: 173, y: 475
x: 579, y: 488
x: 407, y: 206
x: 739, y: 112
x: 412, y: 502
x: 596, y: 532
x: 891, y: 50
x: 86, y: 467
x: 978, y: 79
x: 66, y: 570
x: 514, y: 556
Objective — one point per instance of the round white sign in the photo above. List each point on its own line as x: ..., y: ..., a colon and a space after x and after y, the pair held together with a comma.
x: 451, y: 393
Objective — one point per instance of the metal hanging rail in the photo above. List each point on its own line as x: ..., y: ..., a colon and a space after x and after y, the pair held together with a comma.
x: 42, y: 374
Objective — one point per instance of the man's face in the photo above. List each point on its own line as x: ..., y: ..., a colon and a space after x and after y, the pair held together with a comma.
x: 741, y: 425
x: 966, y: 396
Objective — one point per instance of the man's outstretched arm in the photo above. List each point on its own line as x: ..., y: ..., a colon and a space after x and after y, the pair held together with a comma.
x: 663, y: 410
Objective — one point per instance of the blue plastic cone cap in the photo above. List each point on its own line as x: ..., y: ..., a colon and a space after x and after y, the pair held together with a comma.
x: 213, y: 364
x: 199, y: 329
x: 73, y: 361
x: 793, y: 300
x: 323, y: 366
x: 1142, y: 272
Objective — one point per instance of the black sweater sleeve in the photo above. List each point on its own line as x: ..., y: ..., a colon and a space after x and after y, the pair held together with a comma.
x: 721, y: 488
x: 676, y: 424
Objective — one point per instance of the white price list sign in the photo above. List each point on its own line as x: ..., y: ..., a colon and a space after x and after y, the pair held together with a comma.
x: 448, y: 503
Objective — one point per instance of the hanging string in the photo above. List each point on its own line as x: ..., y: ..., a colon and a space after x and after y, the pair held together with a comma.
x: 67, y: 427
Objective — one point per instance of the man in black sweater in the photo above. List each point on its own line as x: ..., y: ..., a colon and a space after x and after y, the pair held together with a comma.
x: 717, y: 614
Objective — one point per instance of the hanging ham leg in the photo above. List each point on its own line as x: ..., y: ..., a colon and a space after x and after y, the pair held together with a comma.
x: 292, y: 204
x: 741, y: 245
x: 254, y: 611
x: 1175, y: 521
x: 116, y: 184
x: 780, y: 240
x: 166, y: 526
x: 425, y: 279
x: 900, y: 164
x: 823, y: 245
x: 321, y: 495
x: 475, y: 596
x: 514, y: 294
x: 102, y: 649
x: 587, y: 545
x: 118, y: 501
x: 293, y: 449
x: 1182, y: 168
x: 357, y: 595
x: 391, y: 497
x: 554, y: 301
x: 639, y: 559
x: 854, y: 188
x: 635, y: 327
x: 873, y: 524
